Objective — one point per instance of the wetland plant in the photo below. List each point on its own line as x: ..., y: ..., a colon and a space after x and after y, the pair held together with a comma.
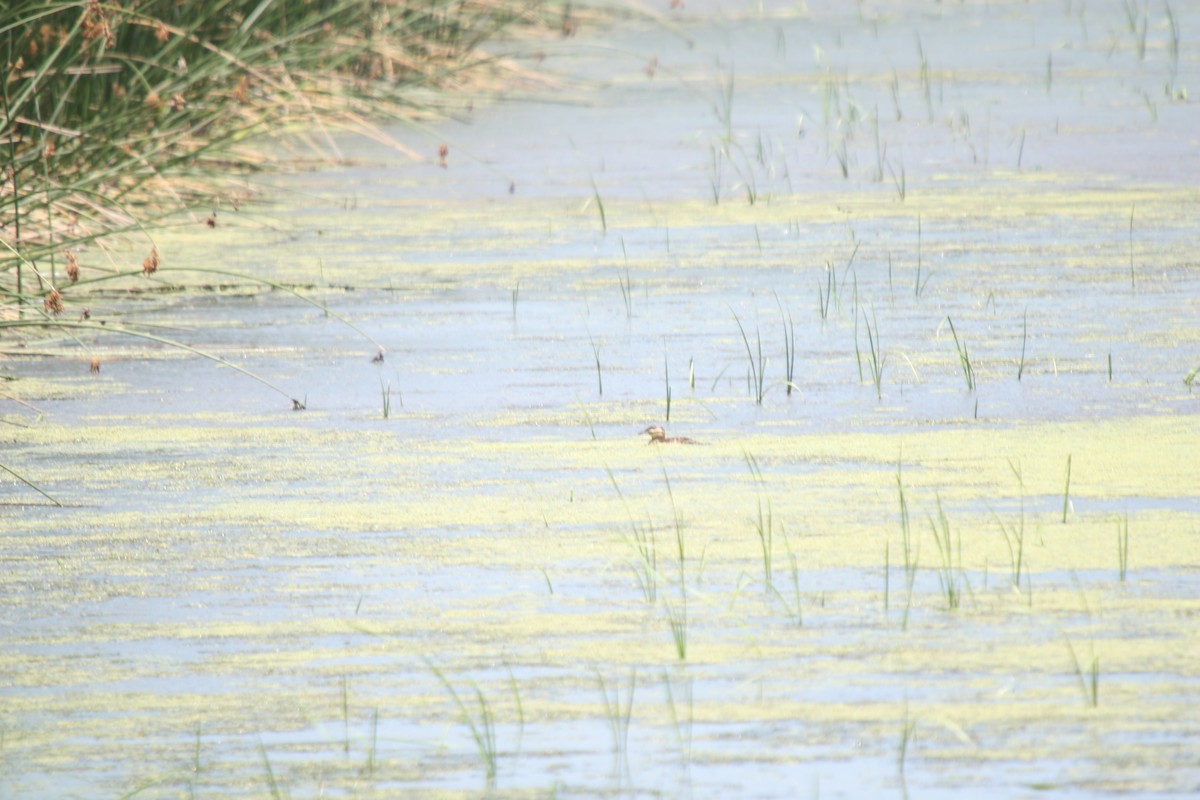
x: 386, y: 393
x: 642, y: 542
x: 950, y: 574
x: 596, y: 355
x: 619, y: 715
x: 681, y: 724
x: 796, y: 611
x: 911, y: 548
x: 677, y: 614
x: 918, y: 284
x: 964, y: 357
x: 758, y: 365
x: 876, y: 356
x: 1123, y: 546
x: 1089, y: 679
x: 764, y: 523
x: 1014, y: 535
x: 1067, y: 492
x: 825, y: 296
x: 482, y: 724
x: 789, y: 346
x: 677, y: 619
x: 626, y: 290
x: 30, y: 484
x: 272, y: 783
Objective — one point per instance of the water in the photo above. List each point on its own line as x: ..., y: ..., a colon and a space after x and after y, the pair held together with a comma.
x: 241, y: 599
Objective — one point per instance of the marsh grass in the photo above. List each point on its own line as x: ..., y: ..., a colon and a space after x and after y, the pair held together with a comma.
x: 1123, y: 547
x: 825, y: 297
x: 758, y: 363
x: 1014, y: 534
x: 764, y: 524
x: 641, y: 540
x: 681, y: 724
x: 794, y: 608
x: 951, y: 578
x: 596, y: 355
x: 789, y: 346
x: 1067, y: 492
x: 667, y: 384
x: 677, y: 615
x: 30, y: 484
x: 276, y: 792
x: 964, y: 357
x: 619, y: 715
x: 918, y: 284
x: 1087, y: 674
x: 626, y: 291
x: 385, y: 391
x: 876, y: 356
x: 481, y: 724
x: 181, y: 90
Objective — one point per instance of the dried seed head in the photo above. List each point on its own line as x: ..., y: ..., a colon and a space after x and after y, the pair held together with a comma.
x: 212, y: 220
x: 94, y: 367
x: 72, y: 267
x: 242, y: 90
x: 160, y: 31
x: 443, y: 151
x: 150, y: 263
x: 86, y: 315
x: 178, y: 102
x: 153, y: 100
x: 53, y: 302
x: 95, y: 24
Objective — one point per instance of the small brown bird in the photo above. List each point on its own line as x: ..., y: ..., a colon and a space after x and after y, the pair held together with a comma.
x: 658, y: 435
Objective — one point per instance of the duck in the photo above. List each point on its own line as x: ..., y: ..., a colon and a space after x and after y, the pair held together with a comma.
x: 658, y: 435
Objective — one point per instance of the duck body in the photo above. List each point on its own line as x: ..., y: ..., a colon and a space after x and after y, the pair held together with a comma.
x: 658, y: 435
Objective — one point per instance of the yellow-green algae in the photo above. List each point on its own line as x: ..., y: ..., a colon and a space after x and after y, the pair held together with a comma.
x: 380, y: 508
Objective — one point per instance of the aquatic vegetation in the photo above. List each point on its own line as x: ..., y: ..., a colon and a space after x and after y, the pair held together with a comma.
x: 964, y: 358
x: 1123, y: 547
x: 757, y: 363
x: 1066, y: 502
x: 951, y: 578
x: 479, y: 722
x: 764, y: 525
x: 619, y: 715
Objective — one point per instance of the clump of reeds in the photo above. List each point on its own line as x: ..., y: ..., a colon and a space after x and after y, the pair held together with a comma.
x: 115, y: 115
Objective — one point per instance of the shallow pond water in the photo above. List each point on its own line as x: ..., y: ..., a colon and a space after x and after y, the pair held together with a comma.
x: 926, y: 587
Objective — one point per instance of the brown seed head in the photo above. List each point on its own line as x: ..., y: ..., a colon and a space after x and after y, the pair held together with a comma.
x: 153, y: 100
x: 178, y: 102
x: 94, y: 367
x: 160, y: 31
x: 72, y: 267
x: 150, y: 263
x: 53, y: 302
